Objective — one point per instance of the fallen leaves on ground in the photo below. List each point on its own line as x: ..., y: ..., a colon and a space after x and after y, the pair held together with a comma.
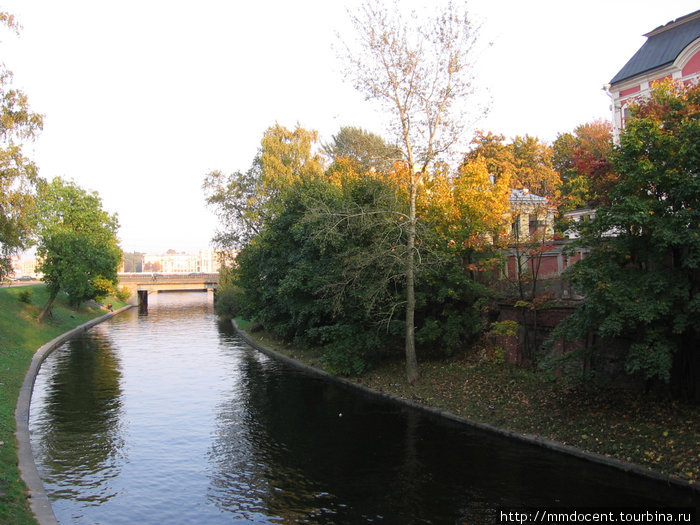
x: 659, y: 434
x: 654, y: 432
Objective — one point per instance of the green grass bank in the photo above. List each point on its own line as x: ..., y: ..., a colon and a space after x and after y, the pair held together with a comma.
x: 651, y: 431
x: 20, y: 336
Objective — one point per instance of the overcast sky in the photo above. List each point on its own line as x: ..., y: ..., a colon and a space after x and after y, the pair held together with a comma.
x: 142, y: 98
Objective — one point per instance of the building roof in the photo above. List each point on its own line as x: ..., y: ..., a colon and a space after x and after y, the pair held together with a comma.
x: 525, y: 197
x: 662, y: 47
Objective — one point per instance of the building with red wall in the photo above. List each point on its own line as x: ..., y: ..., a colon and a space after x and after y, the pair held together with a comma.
x: 671, y: 51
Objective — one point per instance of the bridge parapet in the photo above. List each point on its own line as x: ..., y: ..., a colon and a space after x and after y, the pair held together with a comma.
x: 142, y: 284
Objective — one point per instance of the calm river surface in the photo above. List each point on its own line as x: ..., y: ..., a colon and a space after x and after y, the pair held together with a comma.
x: 170, y: 418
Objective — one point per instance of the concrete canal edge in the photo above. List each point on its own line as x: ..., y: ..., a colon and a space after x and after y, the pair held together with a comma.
x: 625, y: 466
x: 38, y: 500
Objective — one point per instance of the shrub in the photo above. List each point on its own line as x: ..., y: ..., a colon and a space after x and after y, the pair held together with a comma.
x: 500, y: 331
x: 123, y: 294
x: 25, y: 296
x: 228, y: 301
x: 103, y: 287
x: 340, y: 362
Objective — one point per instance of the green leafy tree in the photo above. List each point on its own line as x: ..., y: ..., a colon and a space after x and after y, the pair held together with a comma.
x: 239, y: 203
x: 245, y: 201
x: 331, y: 261
x: 78, y: 246
x: 420, y: 71
x: 18, y: 175
x: 642, y: 279
x: 361, y: 151
x: 290, y: 279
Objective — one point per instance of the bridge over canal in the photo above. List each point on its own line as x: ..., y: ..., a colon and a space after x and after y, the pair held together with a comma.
x: 143, y: 284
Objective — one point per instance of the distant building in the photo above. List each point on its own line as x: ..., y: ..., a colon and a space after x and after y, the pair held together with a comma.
x: 531, y: 215
x: 671, y: 51
x: 24, y: 267
x: 578, y: 215
x: 206, y: 261
x: 170, y: 263
x: 210, y: 261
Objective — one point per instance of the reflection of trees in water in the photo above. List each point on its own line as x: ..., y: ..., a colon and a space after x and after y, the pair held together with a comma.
x: 282, y: 449
x: 79, y: 419
x: 299, y: 448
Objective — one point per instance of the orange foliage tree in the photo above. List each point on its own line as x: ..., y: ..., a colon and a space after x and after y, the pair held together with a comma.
x: 582, y: 160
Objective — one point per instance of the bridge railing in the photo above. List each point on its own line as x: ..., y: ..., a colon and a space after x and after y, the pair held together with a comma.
x: 157, y: 276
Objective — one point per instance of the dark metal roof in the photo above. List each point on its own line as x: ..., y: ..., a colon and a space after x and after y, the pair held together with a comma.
x: 663, y: 46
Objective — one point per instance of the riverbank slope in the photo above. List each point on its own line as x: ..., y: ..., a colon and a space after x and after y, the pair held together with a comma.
x: 648, y: 431
x: 20, y: 337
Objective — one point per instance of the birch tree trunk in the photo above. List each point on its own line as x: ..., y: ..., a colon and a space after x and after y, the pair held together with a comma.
x: 419, y: 68
x: 411, y: 358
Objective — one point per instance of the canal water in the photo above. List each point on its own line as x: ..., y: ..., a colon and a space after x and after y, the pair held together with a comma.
x: 168, y: 417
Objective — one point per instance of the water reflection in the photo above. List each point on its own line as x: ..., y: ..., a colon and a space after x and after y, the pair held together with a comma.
x: 170, y: 418
x: 318, y: 453
x: 80, y: 422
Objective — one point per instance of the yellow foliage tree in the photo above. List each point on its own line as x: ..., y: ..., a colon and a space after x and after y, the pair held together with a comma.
x: 497, y: 154
x: 287, y: 157
x: 534, y: 169
x: 481, y: 201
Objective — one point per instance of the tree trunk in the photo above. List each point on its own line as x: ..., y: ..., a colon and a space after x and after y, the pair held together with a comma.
x: 411, y: 360
x: 47, y: 308
x: 685, y: 370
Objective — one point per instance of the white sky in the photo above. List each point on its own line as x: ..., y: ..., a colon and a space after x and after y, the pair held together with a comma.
x: 142, y: 98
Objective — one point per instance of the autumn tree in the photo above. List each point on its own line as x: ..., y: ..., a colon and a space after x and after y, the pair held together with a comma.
x: 524, y: 164
x: 526, y: 161
x: 329, y: 256
x: 496, y: 153
x: 642, y: 279
x: 481, y: 201
x: 301, y: 274
x: 419, y: 69
x: 243, y: 201
x: 18, y: 174
x: 78, y: 246
x: 533, y: 167
x: 582, y: 160
x: 288, y: 157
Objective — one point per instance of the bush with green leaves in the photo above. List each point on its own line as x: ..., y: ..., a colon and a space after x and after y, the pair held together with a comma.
x: 229, y: 301
x: 642, y: 280
x: 25, y: 296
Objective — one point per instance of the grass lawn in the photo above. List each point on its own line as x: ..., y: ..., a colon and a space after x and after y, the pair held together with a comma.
x: 20, y: 337
x: 651, y: 431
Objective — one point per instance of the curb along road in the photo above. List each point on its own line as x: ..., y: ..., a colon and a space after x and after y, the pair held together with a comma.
x: 38, y: 500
